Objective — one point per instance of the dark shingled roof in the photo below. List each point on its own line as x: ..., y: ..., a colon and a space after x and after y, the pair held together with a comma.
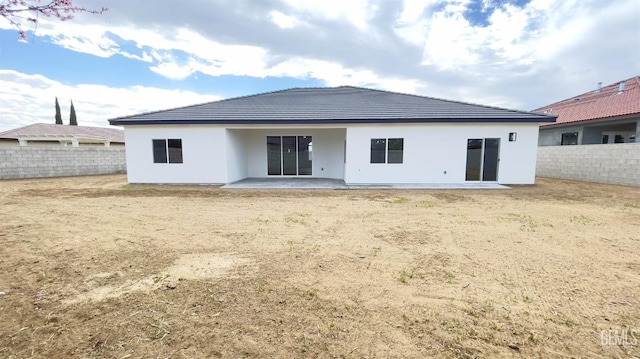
x: 335, y: 105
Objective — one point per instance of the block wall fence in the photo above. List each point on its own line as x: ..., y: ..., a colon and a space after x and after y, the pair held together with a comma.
x: 613, y: 163
x: 35, y: 162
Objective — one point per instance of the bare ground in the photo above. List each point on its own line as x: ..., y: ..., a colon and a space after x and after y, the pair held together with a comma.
x: 91, y: 267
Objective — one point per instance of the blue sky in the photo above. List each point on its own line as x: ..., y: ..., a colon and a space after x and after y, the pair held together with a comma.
x: 151, y: 55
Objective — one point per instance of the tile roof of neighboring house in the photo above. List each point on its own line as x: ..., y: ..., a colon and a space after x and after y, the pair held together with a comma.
x: 44, y: 129
x: 332, y: 105
x: 609, y: 102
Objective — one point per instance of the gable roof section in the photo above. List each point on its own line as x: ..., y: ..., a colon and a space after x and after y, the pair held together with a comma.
x: 608, y: 103
x: 44, y: 129
x: 343, y: 105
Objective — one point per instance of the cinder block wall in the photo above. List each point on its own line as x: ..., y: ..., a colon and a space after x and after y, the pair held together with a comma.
x: 33, y: 162
x: 614, y: 163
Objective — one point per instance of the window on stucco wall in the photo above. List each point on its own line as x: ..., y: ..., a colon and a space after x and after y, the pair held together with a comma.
x: 569, y: 138
x: 167, y: 151
x: 387, y: 150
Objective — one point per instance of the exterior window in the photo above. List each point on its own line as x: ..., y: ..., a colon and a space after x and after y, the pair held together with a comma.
x: 618, y: 139
x: 175, y: 150
x: 570, y: 138
x: 385, y: 150
x: 396, y: 148
x: 378, y: 150
x: 159, y: 151
x: 167, y: 151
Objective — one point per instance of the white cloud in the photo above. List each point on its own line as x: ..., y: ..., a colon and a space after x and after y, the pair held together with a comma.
x: 356, y: 12
x: 335, y: 74
x: 27, y: 99
x: 413, y: 10
x: 173, y: 70
x: 216, y: 59
x: 91, y: 43
x: 284, y: 21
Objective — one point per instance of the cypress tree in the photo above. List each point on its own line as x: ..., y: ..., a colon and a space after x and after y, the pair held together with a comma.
x: 73, y: 121
x: 58, y: 115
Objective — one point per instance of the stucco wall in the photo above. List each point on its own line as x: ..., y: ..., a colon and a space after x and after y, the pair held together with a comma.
x: 591, y: 134
x: 204, y: 153
x: 237, y: 167
x: 215, y: 155
x: 433, y: 153
x: 437, y: 153
x: 552, y: 136
x: 33, y: 162
x: 613, y: 163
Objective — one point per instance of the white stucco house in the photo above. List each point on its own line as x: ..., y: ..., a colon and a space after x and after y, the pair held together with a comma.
x: 358, y: 135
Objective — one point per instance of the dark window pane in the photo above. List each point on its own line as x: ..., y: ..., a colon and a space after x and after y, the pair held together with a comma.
x: 378, y: 149
x: 159, y: 151
x: 289, y: 156
x: 274, y: 153
x: 305, y: 155
x: 570, y: 138
x: 491, y: 151
x: 474, y: 158
x: 605, y: 139
x: 396, y: 148
x: 618, y: 139
x: 175, y: 150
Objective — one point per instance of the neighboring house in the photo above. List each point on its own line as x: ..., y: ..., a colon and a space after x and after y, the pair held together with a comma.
x: 358, y: 135
x: 42, y: 134
x: 609, y: 114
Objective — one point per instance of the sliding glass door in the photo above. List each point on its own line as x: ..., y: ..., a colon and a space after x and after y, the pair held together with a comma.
x: 274, y: 155
x: 483, y: 156
x: 305, y: 155
x: 289, y: 155
x: 490, y: 166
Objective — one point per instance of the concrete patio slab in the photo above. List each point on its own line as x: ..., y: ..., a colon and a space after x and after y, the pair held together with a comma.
x: 293, y: 183
x: 328, y: 183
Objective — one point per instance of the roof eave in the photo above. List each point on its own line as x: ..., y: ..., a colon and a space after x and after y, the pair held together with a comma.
x: 125, y: 122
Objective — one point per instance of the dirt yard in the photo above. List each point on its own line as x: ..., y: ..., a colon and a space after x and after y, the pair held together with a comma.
x: 92, y: 267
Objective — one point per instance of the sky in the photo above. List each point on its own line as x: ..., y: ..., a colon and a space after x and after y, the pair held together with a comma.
x: 147, y: 55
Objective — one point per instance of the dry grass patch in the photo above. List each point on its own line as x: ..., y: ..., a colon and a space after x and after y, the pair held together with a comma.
x: 96, y: 268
